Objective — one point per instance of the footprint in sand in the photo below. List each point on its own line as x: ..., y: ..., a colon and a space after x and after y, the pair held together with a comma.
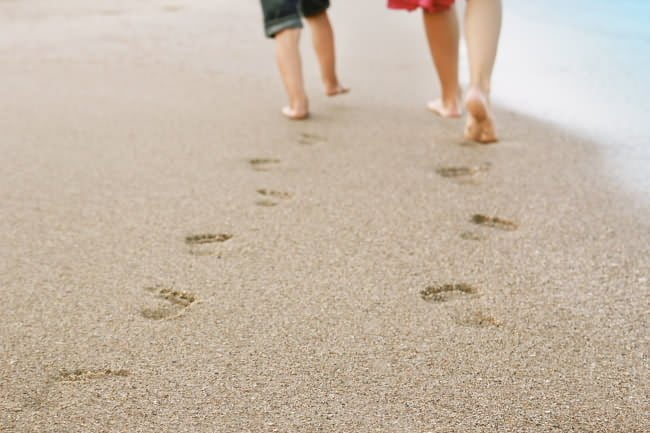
x: 479, y: 319
x: 270, y: 197
x: 207, y: 238
x: 494, y: 222
x: 263, y: 164
x: 173, y: 303
x: 447, y: 292
x: 307, y: 139
x: 200, y: 245
x: 85, y: 375
x: 463, y: 171
x: 266, y: 203
x: 471, y: 236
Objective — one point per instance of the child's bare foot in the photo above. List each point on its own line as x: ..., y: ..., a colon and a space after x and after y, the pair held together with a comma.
x: 336, y: 89
x: 480, y: 126
x: 442, y: 109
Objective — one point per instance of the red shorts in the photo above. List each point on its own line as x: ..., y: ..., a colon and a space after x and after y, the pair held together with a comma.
x: 427, y: 5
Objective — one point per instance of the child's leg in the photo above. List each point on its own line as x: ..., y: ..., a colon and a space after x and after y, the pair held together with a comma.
x: 443, y: 35
x: 323, y: 41
x: 482, y: 28
x: 282, y: 22
x: 290, y: 66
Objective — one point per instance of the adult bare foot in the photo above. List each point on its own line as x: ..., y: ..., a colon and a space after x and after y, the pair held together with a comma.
x: 480, y: 125
x: 336, y: 89
x: 449, y: 110
x: 295, y: 114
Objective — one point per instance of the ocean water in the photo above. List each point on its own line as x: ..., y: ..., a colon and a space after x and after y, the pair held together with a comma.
x: 585, y: 65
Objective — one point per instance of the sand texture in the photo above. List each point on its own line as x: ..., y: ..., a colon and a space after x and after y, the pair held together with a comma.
x: 176, y: 257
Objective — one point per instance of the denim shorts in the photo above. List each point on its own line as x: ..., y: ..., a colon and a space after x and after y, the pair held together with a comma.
x: 285, y: 14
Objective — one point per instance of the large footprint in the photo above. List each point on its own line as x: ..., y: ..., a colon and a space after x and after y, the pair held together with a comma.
x: 463, y: 171
x: 173, y: 303
x: 494, y: 222
x: 447, y: 292
x: 81, y: 375
x: 200, y: 244
x: 207, y: 238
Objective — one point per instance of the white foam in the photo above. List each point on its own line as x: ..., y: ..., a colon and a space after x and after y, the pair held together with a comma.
x: 588, y: 72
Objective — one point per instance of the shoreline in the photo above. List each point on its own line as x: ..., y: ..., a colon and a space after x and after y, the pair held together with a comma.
x: 599, y: 94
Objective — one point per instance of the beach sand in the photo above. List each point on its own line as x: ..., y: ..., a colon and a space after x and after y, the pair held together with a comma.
x: 175, y: 257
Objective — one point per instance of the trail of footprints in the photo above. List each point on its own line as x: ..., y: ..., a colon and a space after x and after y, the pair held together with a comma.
x: 177, y: 301
x: 173, y: 303
x: 456, y: 291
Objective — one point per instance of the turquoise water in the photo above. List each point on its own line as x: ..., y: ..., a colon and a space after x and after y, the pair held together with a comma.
x: 584, y: 64
x: 618, y: 19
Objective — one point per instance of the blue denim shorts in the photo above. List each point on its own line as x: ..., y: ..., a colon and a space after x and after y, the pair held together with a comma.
x: 286, y: 14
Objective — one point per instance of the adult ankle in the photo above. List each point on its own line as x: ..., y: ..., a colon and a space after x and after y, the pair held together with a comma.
x: 299, y: 103
x: 450, y: 99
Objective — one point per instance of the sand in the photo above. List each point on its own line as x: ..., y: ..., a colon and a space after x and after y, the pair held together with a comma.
x: 175, y: 257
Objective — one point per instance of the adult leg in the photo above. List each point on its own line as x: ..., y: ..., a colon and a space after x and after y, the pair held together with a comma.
x: 482, y: 30
x: 443, y: 35
x: 315, y: 12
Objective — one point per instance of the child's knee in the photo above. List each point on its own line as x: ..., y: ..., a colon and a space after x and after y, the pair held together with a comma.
x: 314, y: 8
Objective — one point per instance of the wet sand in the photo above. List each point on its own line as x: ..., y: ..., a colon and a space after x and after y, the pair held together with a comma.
x: 175, y: 257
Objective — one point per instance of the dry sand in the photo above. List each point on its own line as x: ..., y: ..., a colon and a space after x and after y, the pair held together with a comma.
x: 148, y: 286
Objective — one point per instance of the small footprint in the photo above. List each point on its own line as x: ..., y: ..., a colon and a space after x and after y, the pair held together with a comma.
x: 271, y: 197
x: 274, y: 194
x: 494, y: 222
x: 307, y: 139
x: 84, y: 375
x: 177, y: 303
x: 471, y: 236
x: 463, y: 171
x: 266, y: 203
x: 447, y: 292
x: 263, y: 164
x: 479, y: 320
